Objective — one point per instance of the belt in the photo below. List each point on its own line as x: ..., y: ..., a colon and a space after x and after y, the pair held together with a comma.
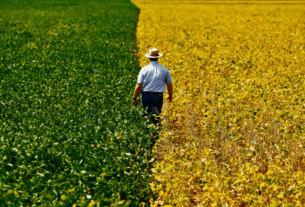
x: 150, y: 92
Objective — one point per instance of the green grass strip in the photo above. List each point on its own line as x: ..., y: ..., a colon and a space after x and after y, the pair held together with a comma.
x: 68, y: 131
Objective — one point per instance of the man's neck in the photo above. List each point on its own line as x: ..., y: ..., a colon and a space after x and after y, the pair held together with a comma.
x: 153, y: 59
x: 154, y: 62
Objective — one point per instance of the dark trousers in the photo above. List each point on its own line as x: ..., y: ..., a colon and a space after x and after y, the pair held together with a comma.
x: 154, y: 103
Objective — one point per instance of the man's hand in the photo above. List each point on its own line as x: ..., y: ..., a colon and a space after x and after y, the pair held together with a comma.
x: 170, y: 98
x: 135, y: 103
x: 170, y: 91
x: 136, y: 93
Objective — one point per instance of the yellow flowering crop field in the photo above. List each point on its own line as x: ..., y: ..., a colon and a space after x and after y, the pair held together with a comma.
x: 234, y: 133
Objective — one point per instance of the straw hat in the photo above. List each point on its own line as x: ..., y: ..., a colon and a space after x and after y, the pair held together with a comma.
x: 153, y: 53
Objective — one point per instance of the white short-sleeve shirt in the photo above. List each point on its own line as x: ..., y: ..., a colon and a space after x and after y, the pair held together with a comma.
x: 153, y: 77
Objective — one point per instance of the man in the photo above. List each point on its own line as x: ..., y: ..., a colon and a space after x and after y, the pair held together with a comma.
x: 153, y: 79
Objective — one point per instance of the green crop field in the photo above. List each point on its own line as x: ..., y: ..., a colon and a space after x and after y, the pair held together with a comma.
x: 68, y: 131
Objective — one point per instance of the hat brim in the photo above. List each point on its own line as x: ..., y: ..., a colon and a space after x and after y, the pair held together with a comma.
x: 147, y: 55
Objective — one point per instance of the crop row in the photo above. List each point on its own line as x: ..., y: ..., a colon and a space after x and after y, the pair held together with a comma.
x: 68, y: 131
x: 234, y: 134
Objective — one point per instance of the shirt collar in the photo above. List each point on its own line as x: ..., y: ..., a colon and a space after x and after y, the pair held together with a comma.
x: 154, y: 63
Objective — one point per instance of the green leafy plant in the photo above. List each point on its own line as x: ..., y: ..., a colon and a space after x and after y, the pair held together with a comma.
x: 69, y: 134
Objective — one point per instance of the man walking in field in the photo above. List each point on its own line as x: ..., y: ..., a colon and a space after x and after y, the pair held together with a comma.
x: 151, y: 81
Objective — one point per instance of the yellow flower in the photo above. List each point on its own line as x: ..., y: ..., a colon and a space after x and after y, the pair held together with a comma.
x: 214, y: 204
x: 263, y: 184
x: 281, y: 195
x: 92, y: 203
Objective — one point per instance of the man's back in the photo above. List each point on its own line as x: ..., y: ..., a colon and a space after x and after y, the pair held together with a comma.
x: 154, y: 77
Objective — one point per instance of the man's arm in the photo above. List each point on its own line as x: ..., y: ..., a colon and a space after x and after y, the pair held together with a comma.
x: 170, y: 91
x: 137, y: 90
